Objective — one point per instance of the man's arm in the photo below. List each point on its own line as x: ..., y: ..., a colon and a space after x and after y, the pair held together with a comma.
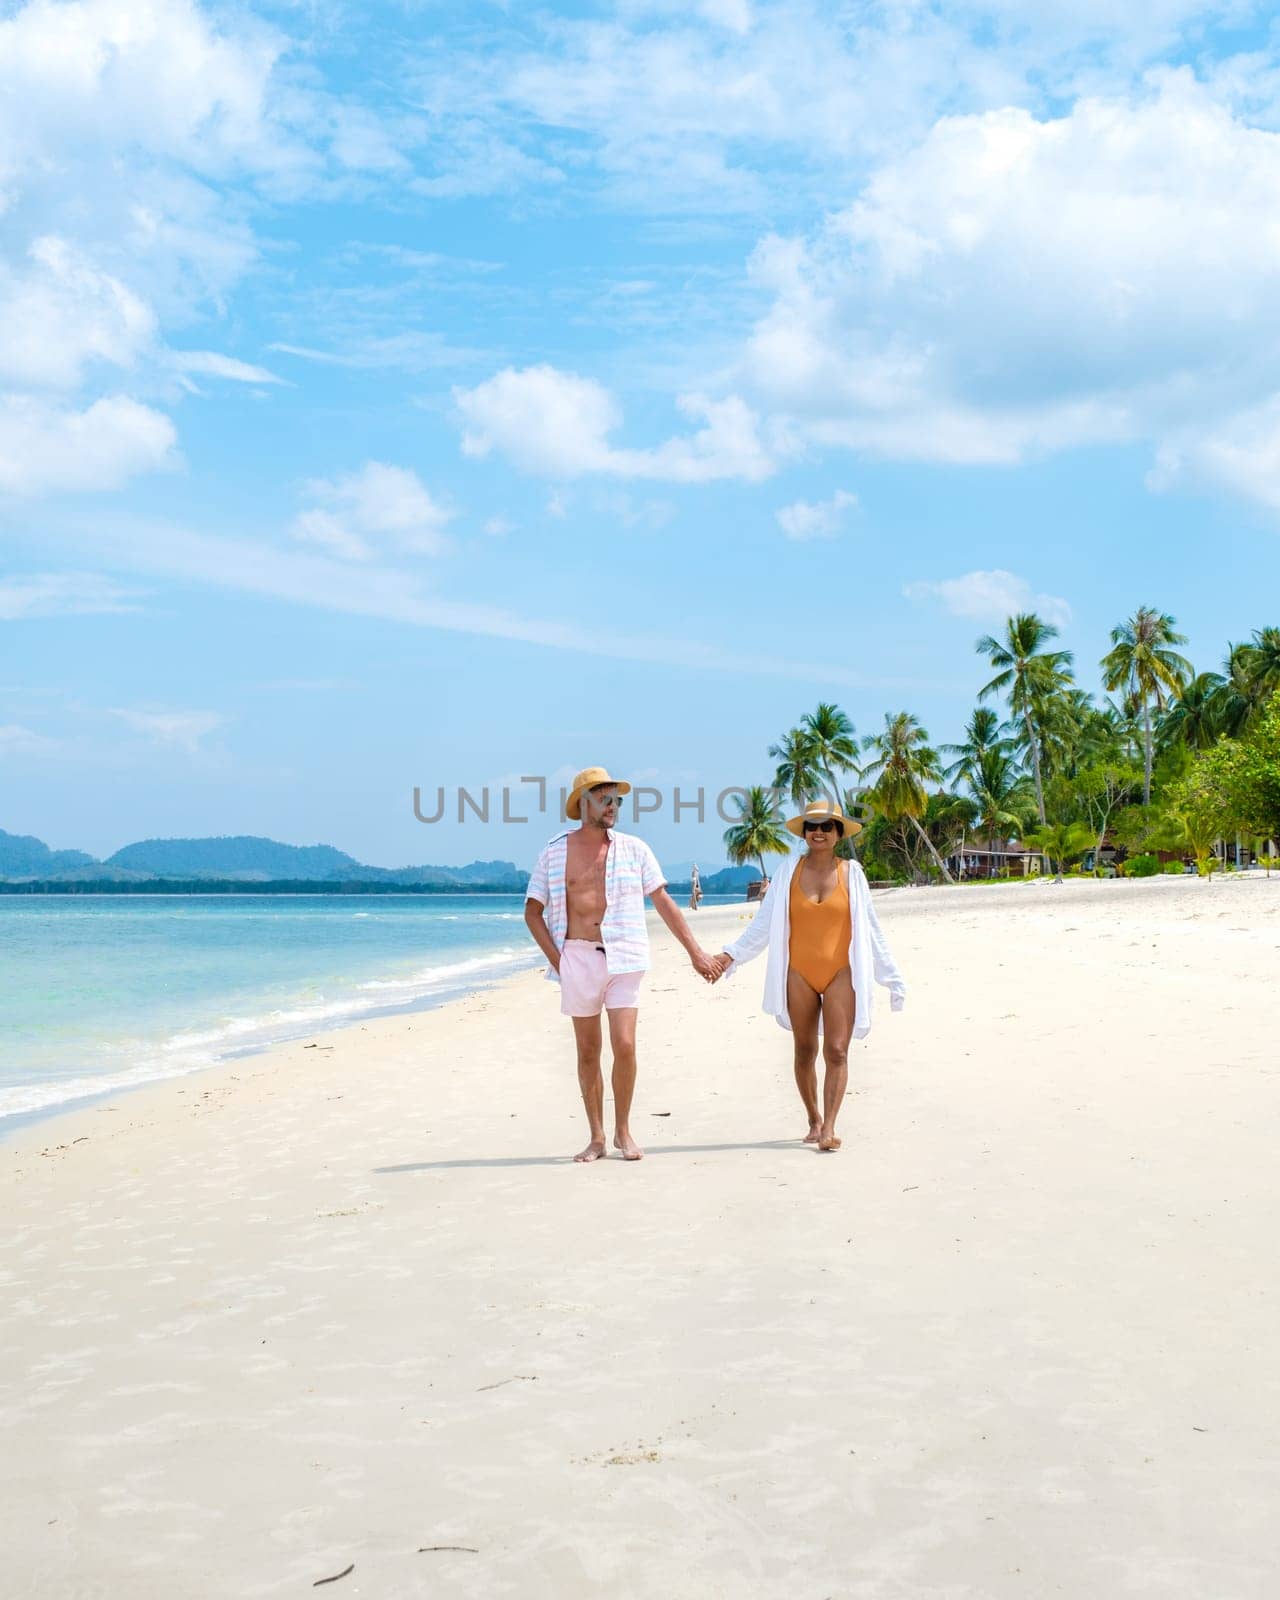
x: 535, y: 919
x: 671, y: 914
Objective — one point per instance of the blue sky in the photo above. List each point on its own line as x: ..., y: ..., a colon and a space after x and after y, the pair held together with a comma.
x: 440, y: 394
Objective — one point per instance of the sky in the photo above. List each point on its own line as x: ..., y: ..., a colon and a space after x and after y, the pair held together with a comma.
x: 441, y: 395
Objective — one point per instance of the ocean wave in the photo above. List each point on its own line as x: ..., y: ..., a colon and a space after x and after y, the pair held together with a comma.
x: 192, y: 1049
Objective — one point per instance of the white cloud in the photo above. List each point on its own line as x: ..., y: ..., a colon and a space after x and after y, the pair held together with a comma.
x: 736, y: 15
x: 136, y: 138
x: 47, y: 448
x: 185, y: 729
x: 61, y: 594
x: 816, y: 519
x: 59, y: 313
x: 557, y: 424
x: 721, y: 105
x: 17, y: 740
x: 1239, y: 453
x: 213, y: 365
x: 378, y: 505
x: 498, y: 527
x: 1013, y: 286
x: 990, y: 597
x: 395, y: 595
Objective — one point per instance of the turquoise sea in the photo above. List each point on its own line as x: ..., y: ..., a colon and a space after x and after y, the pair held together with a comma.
x: 105, y: 992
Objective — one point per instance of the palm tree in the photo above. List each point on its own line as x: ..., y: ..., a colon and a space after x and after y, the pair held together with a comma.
x: 1192, y: 718
x: 1061, y: 842
x: 798, y: 770
x: 947, y: 820
x: 1239, y: 696
x: 835, y: 742
x: 759, y: 831
x: 1030, y: 674
x: 1265, y: 662
x: 1126, y: 723
x: 1142, y: 659
x: 903, y: 764
x: 1003, y: 796
x: 984, y: 731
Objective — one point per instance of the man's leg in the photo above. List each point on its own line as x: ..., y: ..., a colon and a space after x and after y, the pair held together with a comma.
x: 802, y: 1009
x: 587, y: 1035
x: 622, y: 1041
x: 839, y: 1007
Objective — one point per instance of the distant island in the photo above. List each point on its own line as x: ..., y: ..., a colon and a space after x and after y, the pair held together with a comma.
x: 243, y: 863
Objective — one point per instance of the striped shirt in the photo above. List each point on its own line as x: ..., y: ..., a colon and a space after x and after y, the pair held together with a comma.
x: 631, y: 871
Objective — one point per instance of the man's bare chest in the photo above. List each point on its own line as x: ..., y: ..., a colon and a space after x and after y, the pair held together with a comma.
x: 584, y: 873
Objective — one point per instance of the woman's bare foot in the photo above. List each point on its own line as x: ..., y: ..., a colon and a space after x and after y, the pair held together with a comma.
x: 630, y: 1149
x: 828, y: 1142
x: 814, y: 1133
x: 595, y: 1151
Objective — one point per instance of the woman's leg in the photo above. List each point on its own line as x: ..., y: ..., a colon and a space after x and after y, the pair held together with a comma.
x: 802, y: 1008
x: 839, y: 1007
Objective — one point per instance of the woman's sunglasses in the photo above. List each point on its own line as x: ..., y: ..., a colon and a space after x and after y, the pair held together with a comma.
x: 819, y: 827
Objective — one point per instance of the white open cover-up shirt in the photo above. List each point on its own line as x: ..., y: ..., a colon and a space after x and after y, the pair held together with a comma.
x: 869, y: 956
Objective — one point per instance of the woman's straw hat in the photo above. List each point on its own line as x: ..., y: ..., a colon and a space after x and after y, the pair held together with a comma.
x: 820, y: 811
x: 587, y: 779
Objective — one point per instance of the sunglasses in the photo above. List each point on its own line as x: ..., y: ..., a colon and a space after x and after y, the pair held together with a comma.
x: 819, y: 827
x: 603, y: 800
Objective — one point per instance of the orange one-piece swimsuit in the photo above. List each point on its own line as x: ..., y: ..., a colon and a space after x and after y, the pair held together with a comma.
x: 820, y: 932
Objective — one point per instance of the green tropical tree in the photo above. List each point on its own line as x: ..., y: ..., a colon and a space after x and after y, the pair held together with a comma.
x: 834, y: 743
x: 948, y: 820
x: 758, y: 832
x: 1031, y: 676
x: 1191, y: 718
x: 1098, y: 790
x: 1062, y: 842
x: 1062, y: 722
x: 1125, y: 718
x: 1265, y: 661
x: 1143, y: 661
x: 984, y: 731
x: 903, y: 763
x: 799, y: 769
x: 1239, y: 693
x: 1004, y: 798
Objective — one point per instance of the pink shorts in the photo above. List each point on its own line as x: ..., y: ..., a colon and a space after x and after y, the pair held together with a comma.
x: 585, y: 984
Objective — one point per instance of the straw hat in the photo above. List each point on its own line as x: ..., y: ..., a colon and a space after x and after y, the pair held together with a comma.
x: 587, y: 779
x: 820, y: 811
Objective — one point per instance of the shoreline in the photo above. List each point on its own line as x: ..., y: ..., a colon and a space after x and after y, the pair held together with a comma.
x: 907, y: 900
x: 281, y: 1053
x: 355, y: 1305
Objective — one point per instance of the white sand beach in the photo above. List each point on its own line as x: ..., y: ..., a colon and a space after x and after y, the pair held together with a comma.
x: 351, y: 1306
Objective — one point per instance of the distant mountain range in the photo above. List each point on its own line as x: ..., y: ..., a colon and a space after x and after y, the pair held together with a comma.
x: 245, y: 859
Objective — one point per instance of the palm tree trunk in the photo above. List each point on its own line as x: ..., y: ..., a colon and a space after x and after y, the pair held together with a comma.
x: 1035, y: 763
x: 1146, y: 744
x: 942, y: 866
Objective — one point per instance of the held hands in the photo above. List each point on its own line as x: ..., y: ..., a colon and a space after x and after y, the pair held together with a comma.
x: 712, y: 968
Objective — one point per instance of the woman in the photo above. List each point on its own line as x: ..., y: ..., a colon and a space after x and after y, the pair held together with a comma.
x: 825, y: 948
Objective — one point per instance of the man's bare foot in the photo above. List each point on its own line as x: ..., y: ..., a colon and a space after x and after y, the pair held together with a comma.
x: 814, y: 1133
x: 630, y: 1149
x: 828, y: 1142
x: 595, y: 1151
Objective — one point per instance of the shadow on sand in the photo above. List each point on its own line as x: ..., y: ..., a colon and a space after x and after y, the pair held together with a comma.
x: 568, y: 1161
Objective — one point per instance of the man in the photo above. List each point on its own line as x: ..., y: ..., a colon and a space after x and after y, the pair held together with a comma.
x: 585, y: 909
